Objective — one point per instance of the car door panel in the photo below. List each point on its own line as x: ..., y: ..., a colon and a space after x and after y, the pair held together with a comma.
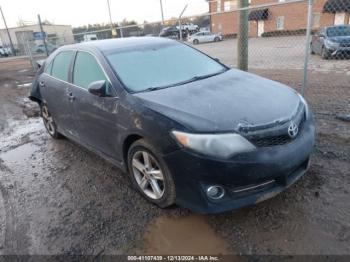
x: 97, y: 120
x: 96, y: 116
x: 54, y: 92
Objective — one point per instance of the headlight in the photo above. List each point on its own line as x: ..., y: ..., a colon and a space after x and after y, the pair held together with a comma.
x: 305, y: 105
x: 331, y: 44
x: 216, y: 145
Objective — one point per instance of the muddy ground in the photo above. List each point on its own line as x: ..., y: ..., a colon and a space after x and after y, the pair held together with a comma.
x: 58, y: 198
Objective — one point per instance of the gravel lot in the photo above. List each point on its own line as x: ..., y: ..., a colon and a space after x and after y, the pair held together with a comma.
x: 58, y: 198
x: 274, y: 53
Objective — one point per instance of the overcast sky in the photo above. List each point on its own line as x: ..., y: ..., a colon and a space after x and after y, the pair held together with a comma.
x: 82, y: 12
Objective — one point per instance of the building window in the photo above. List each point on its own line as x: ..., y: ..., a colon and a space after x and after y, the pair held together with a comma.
x: 316, y: 20
x: 227, y: 6
x: 218, y: 6
x: 230, y: 5
x: 280, y: 23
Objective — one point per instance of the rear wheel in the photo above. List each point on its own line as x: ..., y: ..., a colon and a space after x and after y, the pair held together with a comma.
x: 195, y: 42
x: 49, y: 123
x: 150, y: 174
x: 216, y: 39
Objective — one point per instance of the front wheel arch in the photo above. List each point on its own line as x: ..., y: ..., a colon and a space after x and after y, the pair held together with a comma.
x: 128, y: 141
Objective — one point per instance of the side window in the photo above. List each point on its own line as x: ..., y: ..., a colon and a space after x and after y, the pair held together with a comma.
x: 86, y: 70
x: 60, y: 65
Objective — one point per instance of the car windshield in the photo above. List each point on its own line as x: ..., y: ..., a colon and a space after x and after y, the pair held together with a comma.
x: 161, y: 66
x: 338, y: 31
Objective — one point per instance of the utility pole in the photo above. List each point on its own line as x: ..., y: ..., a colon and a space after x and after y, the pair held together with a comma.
x: 8, y: 33
x: 242, y: 36
x: 180, y: 26
x: 113, y: 31
x: 307, y: 48
x: 161, y: 10
x: 43, y: 35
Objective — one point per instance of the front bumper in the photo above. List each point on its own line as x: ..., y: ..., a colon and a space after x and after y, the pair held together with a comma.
x: 247, y: 178
x: 341, y: 51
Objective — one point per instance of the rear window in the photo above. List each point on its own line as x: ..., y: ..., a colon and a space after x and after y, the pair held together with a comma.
x: 60, y: 65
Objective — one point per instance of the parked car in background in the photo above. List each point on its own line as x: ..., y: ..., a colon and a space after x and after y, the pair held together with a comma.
x: 203, y: 37
x: 90, y: 37
x: 189, y: 27
x: 41, y: 48
x: 332, y: 41
x: 184, y: 127
x: 171, y: 31
x: 5, y: 51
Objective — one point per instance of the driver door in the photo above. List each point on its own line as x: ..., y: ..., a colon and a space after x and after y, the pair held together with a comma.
x: 96, y: 116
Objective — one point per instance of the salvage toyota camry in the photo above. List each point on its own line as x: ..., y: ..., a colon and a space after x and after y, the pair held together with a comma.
x: 186, y: 128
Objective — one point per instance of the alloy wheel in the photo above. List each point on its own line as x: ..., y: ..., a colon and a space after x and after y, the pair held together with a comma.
x: 148, y: 174
x: 48, y: 121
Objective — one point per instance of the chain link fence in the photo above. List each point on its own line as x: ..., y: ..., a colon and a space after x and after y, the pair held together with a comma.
x: 302, y: 43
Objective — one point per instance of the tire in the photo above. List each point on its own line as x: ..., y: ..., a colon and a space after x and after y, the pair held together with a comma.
x: 324, y: 53
x: 49, y: 123
x: 143, y: 181
x: 195, y: 42
x: 216, y: 39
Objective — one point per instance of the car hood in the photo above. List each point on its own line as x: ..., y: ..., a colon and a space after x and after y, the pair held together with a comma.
x: 224, y: 102
x: 340, y: 39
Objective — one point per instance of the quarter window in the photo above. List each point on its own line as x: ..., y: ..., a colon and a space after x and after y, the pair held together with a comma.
x: 86, y: 70
x: 60, y: 65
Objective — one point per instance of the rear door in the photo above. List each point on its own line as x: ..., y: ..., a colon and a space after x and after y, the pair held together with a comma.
x: 97, y: 116
x: 54, y: 83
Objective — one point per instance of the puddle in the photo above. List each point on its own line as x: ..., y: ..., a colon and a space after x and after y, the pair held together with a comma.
x: 20, y: 153
x: 189, y: 235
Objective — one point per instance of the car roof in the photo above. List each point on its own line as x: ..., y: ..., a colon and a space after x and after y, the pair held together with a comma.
x: 121, y: 43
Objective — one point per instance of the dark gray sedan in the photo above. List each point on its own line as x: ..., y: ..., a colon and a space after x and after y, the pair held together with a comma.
x: 333, y: 41
x: 186, y: 128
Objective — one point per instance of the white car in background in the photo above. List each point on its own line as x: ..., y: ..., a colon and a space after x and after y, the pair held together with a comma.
x: 203, y: 37
x: 5, y: 51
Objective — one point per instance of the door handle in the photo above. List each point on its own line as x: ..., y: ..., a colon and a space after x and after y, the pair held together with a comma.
x: 71, y: 98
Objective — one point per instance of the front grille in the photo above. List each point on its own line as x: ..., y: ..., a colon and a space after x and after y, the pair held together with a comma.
x: 278, y: 140
x: 271, y: 141
x: 345, y: 44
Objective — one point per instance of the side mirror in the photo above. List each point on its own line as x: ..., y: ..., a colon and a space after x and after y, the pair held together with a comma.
x: 98, y: 88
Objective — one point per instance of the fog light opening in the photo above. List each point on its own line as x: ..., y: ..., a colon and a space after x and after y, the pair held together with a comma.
x: 215, y: 192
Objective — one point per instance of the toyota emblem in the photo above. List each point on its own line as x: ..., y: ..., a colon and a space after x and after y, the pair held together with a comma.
x: 293, y: 130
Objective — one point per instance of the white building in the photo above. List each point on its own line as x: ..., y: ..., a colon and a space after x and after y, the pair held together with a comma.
x: 55, y: 34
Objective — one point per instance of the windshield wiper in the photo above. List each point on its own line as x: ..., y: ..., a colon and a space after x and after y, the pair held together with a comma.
x: 193, y: 79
